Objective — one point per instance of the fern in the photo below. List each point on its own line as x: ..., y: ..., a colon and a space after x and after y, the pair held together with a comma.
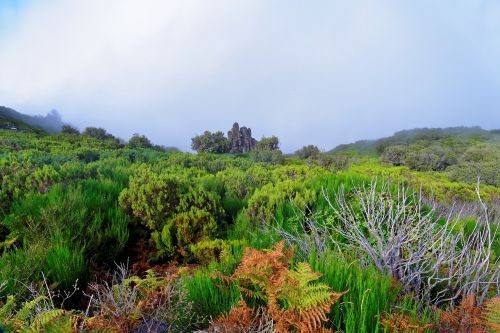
x: 45, y: 318
x: 26, y: 319
x: 7, y: 308
x: 27, y: 309
x: 292, y: 297
x: 299, y: 292
x: 471, y: 317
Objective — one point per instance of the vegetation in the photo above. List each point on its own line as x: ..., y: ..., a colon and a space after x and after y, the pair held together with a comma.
x: 211, y: 143
x: 382, y: 236
x: 307, y: 152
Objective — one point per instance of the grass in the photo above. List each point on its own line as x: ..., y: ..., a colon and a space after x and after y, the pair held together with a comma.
x: 211, y: 297
x: 369, y: 294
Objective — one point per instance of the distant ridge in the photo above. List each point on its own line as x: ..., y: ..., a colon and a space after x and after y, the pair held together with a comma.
x: 12, y: 119
x: 406, y: 137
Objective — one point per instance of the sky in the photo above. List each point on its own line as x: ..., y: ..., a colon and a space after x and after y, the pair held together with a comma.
x: 310, y: 72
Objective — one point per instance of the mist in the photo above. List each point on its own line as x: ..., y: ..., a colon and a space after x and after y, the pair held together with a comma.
x: 316, y: 72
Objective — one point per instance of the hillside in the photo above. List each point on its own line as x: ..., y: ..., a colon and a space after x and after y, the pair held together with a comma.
x: 422, y: 135
x: 50, y: 123
x: 122, y: 235
x: 463, y: 153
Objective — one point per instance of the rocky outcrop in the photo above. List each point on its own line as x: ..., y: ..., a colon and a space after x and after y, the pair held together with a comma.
x: 241, y: 139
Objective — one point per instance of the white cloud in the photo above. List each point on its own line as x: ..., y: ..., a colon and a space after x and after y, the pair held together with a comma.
x: 321, y: 72
x: 115, y: 46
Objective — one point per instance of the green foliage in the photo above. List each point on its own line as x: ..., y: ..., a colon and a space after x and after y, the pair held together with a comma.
x: 216, y: 250
x: 433, y: 184
x: 210, y: 142
x: 210, y: 296
x: 70, y: 203
x: 266, y: 155
x: 65, y: 263
x: 309, y: 151
x: 34, y: 316
x: 21, y: 266
x: 271, y: 143
x: 139, y: 141
x: 88, y: 156
x: 370, y: 294
x: 70, y: 130
x: 184, y: 229
x: 178, y: 209
x: 68, y: 227
x: 286, y: 194
x: 20, y: 177
x: 98, y: 133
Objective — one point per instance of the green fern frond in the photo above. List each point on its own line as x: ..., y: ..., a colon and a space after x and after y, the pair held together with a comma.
x: 300, y: 290
x: 7, y: 308
x: 151, y: 282
x: 27, y: 309
x: 44, y: 318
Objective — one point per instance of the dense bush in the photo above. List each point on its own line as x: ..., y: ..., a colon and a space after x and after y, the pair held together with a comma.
x: 139, y: 141
x: 308, y: 151
x: 210, y: 142
x: 178, y: 209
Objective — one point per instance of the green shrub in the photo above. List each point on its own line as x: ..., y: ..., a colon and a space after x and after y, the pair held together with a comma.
x: 178, y: 209
x: 216, y: 250
x: 263, y: 205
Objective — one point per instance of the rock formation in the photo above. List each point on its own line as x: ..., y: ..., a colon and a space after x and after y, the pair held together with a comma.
x: 241, y: 139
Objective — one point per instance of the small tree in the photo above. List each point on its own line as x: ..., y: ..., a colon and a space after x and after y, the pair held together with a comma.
x: 307, y: 151
x: 139, y: 141
x: 210, y: 142
x: 267, y: 150
x: 271, y: 143
x: 98, y: 133
x: 68, y: 129
x: 394, y: 155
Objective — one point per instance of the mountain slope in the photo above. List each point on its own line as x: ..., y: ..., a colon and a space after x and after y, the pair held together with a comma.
x: 50, y: 123
x: 419, y: 135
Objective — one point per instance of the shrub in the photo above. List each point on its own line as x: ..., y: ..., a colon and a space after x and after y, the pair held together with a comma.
x: 403, y: 238
x: 21, y: 266
x: 265, y: 202
x: 88, y: 156
x: 267, y: 155
x: 176, y: 210
x: 139, y: 141
x: 70, y: 130
x: 216, y: 250
x: 211, y: 143
x: 130, y: 301
x: 184, y: 229
x: 307, y: 152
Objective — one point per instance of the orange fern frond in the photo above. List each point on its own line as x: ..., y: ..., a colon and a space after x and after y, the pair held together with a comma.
x: 469, y: 317
x: 293, y: 299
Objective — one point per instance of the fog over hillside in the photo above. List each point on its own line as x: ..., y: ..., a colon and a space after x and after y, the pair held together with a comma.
x: 324, y: 73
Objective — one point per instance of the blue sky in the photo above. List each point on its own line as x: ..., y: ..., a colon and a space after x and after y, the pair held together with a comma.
x: 9, y: 13
x: 315, y: 72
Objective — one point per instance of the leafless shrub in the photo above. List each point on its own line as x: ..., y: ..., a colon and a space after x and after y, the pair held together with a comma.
x: 123, y: 305
x: 399, y: 233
